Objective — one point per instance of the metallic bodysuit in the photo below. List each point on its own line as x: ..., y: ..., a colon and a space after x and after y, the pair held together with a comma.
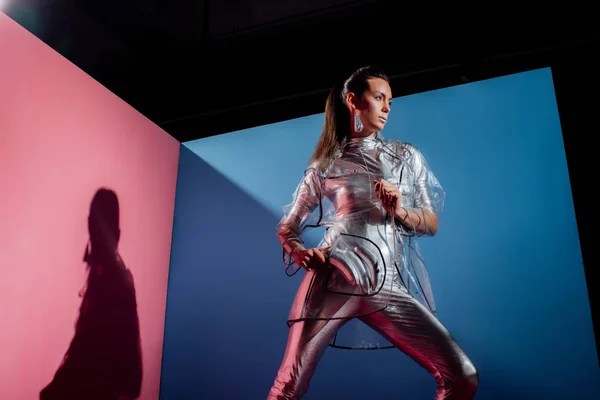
x: 375, y: 270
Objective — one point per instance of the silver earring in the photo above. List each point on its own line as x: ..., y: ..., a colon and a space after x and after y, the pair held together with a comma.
x: 358, y: 125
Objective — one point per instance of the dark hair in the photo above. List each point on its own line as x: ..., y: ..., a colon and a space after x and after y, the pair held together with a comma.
x: 103, y: 222
x: 104, y: 213
x: 337, y: 115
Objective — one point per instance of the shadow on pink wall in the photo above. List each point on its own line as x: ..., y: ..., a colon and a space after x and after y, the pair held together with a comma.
x: 104, y: 358
x: 63, y: 136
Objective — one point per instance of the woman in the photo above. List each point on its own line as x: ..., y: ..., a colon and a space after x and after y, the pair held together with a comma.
x: 382, y: 196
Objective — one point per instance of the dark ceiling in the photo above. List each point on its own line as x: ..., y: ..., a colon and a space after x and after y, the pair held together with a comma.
x: 199, y: 68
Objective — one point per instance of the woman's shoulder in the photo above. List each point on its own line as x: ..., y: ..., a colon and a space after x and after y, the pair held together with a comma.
x: 405, y: 149
x: 318, y: 166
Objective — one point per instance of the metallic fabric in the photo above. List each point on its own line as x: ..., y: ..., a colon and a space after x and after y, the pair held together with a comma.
x: 406, y: 323
x: 375, y: 272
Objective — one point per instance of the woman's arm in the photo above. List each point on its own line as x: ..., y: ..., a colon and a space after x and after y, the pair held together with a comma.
x: 418, y: 220
x: 306, y: 198
x: 422, y: 218
x: 424, y: 222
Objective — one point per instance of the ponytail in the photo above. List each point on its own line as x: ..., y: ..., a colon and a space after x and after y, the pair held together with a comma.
x: 335, y: 128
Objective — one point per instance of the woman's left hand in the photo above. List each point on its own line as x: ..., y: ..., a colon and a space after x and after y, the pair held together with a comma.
x: 389, y: 195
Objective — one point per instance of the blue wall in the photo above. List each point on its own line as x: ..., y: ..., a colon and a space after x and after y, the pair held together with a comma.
x: 506, y: 266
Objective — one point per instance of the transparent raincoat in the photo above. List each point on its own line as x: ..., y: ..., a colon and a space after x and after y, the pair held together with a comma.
x: 371, y: 252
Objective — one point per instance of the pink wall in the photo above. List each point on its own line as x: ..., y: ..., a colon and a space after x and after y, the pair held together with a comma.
x: 63, y: 136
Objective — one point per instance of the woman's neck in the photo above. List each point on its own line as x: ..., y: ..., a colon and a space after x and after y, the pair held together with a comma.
x: 357, y: 135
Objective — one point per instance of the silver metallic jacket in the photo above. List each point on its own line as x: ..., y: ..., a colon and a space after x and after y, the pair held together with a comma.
x: 368, y: 246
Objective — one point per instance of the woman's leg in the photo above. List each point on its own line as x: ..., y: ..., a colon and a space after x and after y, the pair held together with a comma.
x: 412, y: 328
x: 307, y: 342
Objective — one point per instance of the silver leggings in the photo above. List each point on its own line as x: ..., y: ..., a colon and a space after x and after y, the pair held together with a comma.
x: 407, y: 324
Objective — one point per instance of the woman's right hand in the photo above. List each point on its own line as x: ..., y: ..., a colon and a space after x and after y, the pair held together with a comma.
x: 311, y: 258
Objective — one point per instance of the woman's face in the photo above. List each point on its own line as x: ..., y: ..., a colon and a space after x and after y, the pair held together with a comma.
x: 373, y: 108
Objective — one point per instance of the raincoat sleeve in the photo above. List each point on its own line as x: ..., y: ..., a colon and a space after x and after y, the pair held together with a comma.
x: 424, y: 195
x: 429, y: 196
x: 301, y: 213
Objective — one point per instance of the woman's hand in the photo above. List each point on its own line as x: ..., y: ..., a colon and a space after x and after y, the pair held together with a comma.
x: 389, y: 195
x: 311, y: 258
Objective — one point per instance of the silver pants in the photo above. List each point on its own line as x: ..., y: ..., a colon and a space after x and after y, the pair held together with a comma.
x: 407, y: 324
